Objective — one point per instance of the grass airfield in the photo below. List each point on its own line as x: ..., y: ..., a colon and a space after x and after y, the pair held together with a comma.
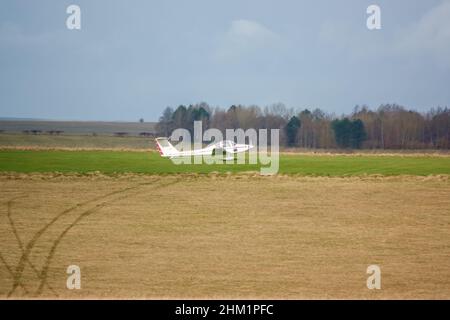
x: 150, y: 162
x: 140, y: 227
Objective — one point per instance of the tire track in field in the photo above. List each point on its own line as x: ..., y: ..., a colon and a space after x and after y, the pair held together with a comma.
x: 11, y: 272
x: 19, y: 241
x: 28, y: 248
x: 44, y: 273
x: 2, y: 259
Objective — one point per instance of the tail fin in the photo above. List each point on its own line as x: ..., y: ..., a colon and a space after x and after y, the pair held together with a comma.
x: 165, y: 148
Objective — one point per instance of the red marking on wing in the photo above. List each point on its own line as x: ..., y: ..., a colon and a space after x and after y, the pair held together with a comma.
x: 159, y: 148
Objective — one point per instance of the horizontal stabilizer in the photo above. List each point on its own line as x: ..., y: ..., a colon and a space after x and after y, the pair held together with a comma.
x: 165, y: 148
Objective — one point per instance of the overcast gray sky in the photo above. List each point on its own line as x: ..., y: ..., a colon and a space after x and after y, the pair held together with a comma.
x: 131, y: 59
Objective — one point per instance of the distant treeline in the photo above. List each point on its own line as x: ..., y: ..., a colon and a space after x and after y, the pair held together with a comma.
x: 390, y: 126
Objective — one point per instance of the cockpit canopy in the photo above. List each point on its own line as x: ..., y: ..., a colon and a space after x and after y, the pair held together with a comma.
x: 226, y: 144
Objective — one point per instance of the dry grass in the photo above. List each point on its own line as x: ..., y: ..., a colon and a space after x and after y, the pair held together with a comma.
x: 310, y: 152
x: 371, y: 153
x: 237, y: 236
x: 368, y: 152
x: 73, y: 142
x: 41, y: 148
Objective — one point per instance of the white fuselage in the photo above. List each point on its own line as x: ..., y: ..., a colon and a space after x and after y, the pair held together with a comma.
x: 225, y: 147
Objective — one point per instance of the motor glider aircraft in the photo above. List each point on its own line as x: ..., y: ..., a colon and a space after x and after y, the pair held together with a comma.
x: 227, y: 148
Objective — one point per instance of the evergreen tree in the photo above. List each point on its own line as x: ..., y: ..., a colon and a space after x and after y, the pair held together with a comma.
x: 291, y: 130
x: 358, y: 134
